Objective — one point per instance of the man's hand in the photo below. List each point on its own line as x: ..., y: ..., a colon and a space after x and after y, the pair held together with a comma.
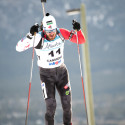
x: 34, y: 29
x: 76, y: 25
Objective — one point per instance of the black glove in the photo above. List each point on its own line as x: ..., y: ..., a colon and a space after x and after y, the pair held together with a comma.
x: 76, y: 25
x: 34, y: 28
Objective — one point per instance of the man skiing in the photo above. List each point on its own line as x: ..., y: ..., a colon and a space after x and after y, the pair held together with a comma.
x: 49, y: 46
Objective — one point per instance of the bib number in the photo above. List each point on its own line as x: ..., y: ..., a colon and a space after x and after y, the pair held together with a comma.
x: 52, y: 52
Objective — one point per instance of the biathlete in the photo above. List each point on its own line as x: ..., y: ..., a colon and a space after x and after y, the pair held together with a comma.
x: 49, y: 47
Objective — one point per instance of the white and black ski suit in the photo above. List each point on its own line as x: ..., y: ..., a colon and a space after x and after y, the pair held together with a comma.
x: 53, y: 72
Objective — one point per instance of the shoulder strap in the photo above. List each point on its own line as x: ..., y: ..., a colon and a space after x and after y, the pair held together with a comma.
x: 60, y: 35
x: 40, y: 44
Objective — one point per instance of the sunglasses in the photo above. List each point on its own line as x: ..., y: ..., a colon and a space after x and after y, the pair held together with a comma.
x: 50, y: 31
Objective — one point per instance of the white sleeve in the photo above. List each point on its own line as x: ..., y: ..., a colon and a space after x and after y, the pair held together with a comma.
x: 27, y: 42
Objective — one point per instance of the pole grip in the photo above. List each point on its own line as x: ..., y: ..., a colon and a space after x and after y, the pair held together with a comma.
x: 43, y: 0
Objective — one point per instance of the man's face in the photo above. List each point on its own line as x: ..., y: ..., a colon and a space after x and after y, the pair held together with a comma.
x: 50, y: 34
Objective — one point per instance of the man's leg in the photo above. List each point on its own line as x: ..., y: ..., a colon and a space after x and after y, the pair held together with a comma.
x: 64, y: 89
x: 50, y: 111
x: 48, y: 88
x: 66, y: 104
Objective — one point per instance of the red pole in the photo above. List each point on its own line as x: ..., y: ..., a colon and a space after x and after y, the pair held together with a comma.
x: 30, y: 82
x: 82, y: 78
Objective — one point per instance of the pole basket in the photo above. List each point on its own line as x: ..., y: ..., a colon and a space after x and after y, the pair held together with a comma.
x: 43, y: 0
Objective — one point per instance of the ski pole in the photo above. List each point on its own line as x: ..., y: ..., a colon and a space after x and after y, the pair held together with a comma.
x: 42, y: 1
x: 30, y: 81
x: 82, y: 77
x: 32, y: 68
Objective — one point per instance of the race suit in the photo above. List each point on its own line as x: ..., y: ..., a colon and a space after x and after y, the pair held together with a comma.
x: 53, y: 72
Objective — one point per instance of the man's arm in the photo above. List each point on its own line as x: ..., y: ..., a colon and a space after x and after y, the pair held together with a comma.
x: 66, y: 34
x: 28, y: 41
